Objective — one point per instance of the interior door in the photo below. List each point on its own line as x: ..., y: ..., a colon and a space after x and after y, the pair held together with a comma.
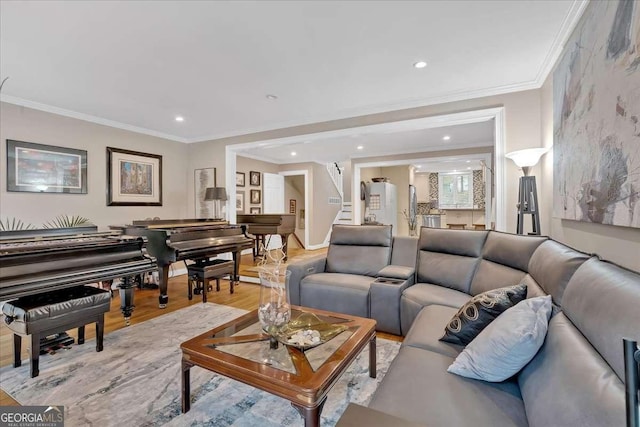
x: 273, y: 201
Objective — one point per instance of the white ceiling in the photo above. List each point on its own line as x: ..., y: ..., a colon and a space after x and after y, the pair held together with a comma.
x: 138, y: 64
x: 378, y: 142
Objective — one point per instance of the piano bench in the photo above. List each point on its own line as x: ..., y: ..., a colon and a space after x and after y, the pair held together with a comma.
x: 53, y: 312
x: 202, y: 272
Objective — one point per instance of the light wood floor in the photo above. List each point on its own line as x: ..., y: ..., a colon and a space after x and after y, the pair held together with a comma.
x: 245, y: 297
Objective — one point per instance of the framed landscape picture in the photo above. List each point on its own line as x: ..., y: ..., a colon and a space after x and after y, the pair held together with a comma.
x: 40, y: 168
x: 255, y: 210
x: 133, y: 178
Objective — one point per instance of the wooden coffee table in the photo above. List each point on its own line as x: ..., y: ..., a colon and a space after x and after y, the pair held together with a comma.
x: 239, y: 349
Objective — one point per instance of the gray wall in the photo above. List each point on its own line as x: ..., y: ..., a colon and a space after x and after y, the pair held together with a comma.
x: 246, y: 165
x: 294, y: 190
x: 25, y: 124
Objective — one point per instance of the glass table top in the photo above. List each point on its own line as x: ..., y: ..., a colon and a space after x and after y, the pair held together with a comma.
x: 254, y: 344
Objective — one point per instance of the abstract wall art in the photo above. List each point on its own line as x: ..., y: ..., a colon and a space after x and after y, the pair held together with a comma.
x: 596, y: 118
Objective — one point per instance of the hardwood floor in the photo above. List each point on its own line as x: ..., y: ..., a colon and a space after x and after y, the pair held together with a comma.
x: 245, y: 296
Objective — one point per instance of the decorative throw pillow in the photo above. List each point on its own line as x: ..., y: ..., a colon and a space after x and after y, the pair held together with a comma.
x: 504, y: 347
x: 479, y: 311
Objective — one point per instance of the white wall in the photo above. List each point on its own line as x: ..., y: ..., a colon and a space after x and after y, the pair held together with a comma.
x: 24, y: 124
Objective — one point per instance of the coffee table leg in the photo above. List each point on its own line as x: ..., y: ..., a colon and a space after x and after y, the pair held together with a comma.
x: 311, y: 415
x: 186, y: 386
x: 372, y: 357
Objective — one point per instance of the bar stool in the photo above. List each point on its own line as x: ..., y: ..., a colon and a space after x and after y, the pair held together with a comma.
x: 456, y: 226
x: 202, y: 272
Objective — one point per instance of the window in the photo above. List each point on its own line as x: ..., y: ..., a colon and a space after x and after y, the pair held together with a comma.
x: 455, y: 190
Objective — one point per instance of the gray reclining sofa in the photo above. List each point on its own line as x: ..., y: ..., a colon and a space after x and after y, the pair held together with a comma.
x: 576, y: 379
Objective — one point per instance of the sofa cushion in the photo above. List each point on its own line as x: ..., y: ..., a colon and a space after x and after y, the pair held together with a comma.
x: 449, y: 257
x: 512, y: 250
x: 481, y: 310
x: 552, y: 265
x: 359, y: 249
x: 491, y: 275
x: 426, y: 330
x: 603, y: 301
x: 420, y: 295
x: 504, y: 347
x: 343, y: 293
x: 569, y: 384
x: 404, y: 251
x: 418, y: 388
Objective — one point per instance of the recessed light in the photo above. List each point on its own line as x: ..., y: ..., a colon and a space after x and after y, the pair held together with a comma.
x: 419, y: 166
x: 272, y: 97
x: 360, y: 147
x: 420, y: 64
x: 293, y: 153
x: 468, y: 161
x: 179, y: 119
x: 469, y: 168
x: 446, y: 137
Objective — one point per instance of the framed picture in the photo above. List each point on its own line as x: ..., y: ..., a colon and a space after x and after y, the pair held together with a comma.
x: 255, y: 211
x: 254, y: 178
x: 240, y: 202
x: 301, y: 219
x: 255, y: 197
x: 203, y: 179
x: 40, y: 168
x: 133, y: 178
x: 292, y: 206
x: 239, y: 179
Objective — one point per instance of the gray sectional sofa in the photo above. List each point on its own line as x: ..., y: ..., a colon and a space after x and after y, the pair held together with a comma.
x: 576, y: 379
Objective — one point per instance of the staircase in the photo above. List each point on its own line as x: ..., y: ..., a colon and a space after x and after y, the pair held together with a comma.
x: 345, y: 214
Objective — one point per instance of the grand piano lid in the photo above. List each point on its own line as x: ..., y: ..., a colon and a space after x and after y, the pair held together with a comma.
x: 177, y: 223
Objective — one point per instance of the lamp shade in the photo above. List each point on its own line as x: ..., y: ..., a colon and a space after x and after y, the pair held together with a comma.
x: 216, y: 193
x: 526, y: 158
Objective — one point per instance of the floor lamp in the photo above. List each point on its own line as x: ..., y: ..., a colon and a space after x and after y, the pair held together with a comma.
x: 217, y: 194
x: 527, y: 193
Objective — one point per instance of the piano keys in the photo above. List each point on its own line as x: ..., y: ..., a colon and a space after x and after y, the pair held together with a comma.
x: 188, y: 239
x: 265, y: 224
x: 39, y: 261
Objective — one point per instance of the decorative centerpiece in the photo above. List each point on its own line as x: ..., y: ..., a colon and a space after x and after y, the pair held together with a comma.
x: 274, y: 310
x: 307, y: 331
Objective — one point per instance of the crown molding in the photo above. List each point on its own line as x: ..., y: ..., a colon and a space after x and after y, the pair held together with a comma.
x: 568, y: 25
x: 87, y: 117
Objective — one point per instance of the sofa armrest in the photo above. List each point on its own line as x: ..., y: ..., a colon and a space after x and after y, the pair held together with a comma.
x: 397, y: 272
x: 301, y: 269
x: 357, y: 415
x: 385, y: 294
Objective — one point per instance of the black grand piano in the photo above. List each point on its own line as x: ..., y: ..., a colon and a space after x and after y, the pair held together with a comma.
x: 39, y: 261
x: 261, y: 225
x: 188, y: 239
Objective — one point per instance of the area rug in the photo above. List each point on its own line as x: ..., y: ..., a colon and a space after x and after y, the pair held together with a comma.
x: 135, y: 381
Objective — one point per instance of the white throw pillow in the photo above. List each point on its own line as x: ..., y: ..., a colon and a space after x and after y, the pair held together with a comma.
x: 507, y: 344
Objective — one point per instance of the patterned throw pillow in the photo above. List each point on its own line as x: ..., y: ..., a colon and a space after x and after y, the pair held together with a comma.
x: 479, y: 311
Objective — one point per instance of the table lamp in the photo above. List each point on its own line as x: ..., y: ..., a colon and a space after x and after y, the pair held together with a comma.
x: 217, y: 194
